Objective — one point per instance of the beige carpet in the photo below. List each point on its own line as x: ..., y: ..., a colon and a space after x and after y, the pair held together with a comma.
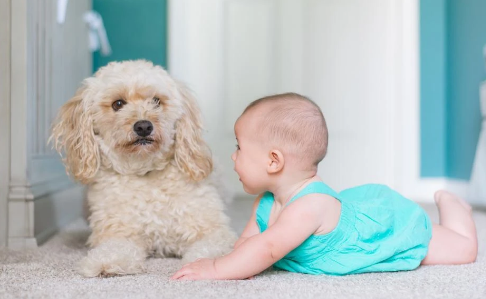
x: 48, y: 272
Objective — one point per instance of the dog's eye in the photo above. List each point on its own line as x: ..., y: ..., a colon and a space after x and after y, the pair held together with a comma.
x: 117, y: 105
x: 156, y: 101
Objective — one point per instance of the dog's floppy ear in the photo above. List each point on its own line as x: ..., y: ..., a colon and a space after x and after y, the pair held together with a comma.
x: 73, y: 133
x: 192, y: 154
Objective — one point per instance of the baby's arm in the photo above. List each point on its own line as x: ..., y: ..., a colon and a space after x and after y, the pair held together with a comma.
x: 296, y: 223
x: 251, y: 227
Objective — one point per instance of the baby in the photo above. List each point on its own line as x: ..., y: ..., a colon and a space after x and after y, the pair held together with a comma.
x: 300, y: 224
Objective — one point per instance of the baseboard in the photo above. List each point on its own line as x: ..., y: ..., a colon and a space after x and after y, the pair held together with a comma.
x: 423, y: 189
x: 459, y: 187
x: 22, y: 243
x: 44, y: 235
x: 55, y: 210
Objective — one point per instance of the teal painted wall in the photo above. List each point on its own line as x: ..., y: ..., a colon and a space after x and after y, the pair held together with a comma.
x: 433, y: 88
x: 452, y: 35
x: 135, y: 28
x: 466, y: 27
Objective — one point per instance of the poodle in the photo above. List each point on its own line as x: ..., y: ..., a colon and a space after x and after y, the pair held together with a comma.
x: 133, y: 135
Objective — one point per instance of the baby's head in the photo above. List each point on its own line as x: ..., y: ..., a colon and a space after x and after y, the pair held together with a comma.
x: 290, y: 123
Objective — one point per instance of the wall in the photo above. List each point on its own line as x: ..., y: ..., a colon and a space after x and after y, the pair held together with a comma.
x: 452, y: 35
x: 252, y: 49
x: 135, y: 29
x: 466, y: 28
x: 433, y: 88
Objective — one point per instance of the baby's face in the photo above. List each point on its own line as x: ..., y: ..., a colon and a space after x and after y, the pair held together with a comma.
x: 250, y: 157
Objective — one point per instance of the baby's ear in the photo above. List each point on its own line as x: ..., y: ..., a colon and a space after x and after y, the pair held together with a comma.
x: 276, y: 161
x: 73, y: 134
x: 192, y: 154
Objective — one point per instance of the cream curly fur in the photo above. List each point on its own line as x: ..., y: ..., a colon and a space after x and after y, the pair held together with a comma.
x: 159, y: 198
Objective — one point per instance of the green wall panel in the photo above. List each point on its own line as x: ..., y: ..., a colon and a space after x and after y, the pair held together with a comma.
x: 135, y: 28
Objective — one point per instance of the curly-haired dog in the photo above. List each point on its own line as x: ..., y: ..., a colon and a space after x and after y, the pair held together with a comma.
x: 133, y: 135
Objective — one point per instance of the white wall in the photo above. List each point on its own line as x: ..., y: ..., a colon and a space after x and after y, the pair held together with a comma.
x: 358, y: 60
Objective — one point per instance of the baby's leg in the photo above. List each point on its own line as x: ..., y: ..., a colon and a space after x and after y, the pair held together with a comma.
x: 454, y: 240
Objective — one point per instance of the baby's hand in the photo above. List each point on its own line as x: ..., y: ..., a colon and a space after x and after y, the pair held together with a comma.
x: 198, y: 270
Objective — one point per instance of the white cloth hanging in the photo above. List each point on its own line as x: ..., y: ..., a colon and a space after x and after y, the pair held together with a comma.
x: 477, y: 184
x: 61, y: 11
x: 97, y: 33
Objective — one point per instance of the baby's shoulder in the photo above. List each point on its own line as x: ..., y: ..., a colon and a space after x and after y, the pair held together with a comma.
x: 317, y: 202
x: 323, y: 208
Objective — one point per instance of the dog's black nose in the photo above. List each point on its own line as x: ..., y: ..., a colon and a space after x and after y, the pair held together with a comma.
x: 143, y: 128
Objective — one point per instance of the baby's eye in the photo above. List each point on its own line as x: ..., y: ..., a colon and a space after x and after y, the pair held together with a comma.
x: 237, y: 147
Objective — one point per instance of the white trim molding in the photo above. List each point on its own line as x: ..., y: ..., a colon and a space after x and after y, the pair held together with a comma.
x: 42, y: 75
x: 459, y: 187
x: 4, y: 116
x: 409, y: 181
x: 408, y: 114
x: 20, y: 197
x: 423, y: 189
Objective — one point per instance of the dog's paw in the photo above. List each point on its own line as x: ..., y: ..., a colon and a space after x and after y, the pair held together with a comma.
x: 112, y: 258
x: 216, y: 244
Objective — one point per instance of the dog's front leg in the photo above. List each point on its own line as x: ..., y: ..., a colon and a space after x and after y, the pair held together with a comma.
x: 212, y: 245
x: 114, y: 256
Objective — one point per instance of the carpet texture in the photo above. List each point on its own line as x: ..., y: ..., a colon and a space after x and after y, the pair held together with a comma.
x: 49, y: 272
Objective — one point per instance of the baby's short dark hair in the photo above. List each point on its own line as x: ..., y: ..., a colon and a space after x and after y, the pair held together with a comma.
x: 294, y: 123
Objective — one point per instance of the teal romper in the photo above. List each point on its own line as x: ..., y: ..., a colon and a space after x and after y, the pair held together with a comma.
x: 378, y: 230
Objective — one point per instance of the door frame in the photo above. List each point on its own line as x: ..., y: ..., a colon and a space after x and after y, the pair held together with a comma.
x: 408, y: 159
x: 5, y: 34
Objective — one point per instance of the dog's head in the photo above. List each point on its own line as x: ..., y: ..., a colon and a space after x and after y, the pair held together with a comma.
x: 132, y: 117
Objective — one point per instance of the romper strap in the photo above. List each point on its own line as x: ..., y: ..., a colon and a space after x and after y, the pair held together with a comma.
x: 314, y: 187
x: 263, y: 211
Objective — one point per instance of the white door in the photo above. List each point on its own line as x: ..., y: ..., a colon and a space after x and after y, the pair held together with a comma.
x: 343, y: 54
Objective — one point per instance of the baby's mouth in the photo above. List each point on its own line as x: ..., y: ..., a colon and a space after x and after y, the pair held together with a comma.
x: 143, y: 141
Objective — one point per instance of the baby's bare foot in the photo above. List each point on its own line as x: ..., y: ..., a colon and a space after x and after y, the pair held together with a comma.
x: 442, y: 197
